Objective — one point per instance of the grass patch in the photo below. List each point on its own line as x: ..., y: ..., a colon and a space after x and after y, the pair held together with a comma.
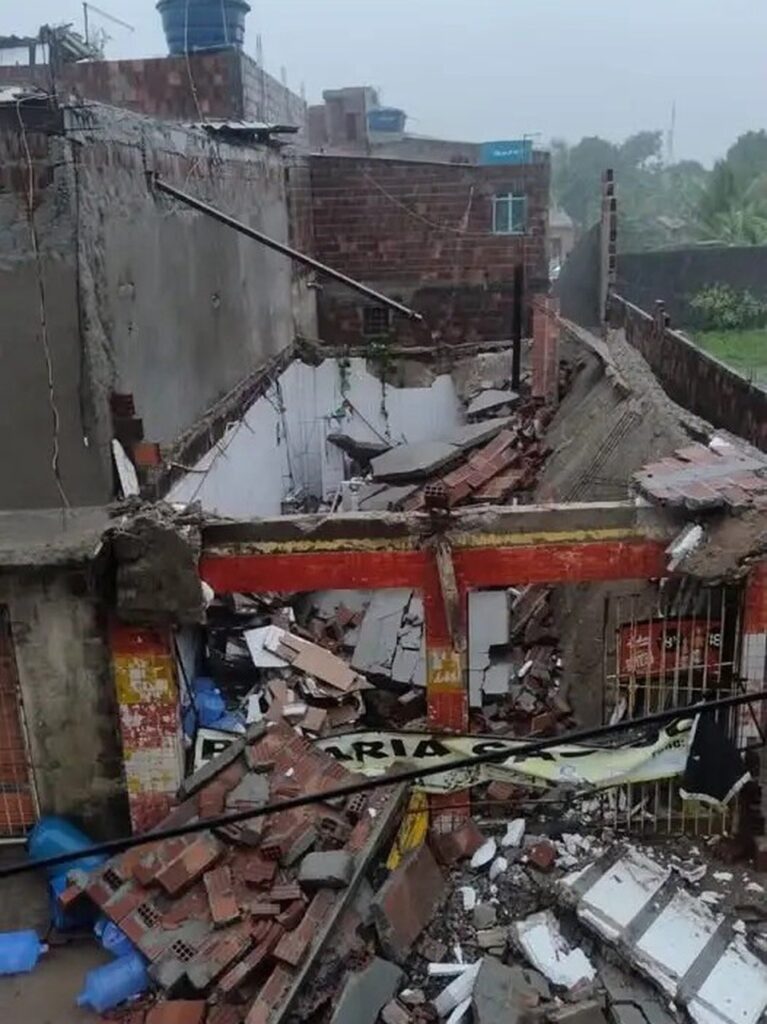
x: 745, y: 351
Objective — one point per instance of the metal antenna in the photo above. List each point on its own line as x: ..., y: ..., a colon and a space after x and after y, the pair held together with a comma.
x: 104, y: 14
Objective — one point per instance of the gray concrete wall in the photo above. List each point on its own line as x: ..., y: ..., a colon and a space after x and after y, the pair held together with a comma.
x: 178, y: 308
x: 68, y: 695
x: 578, y: 284
x: 38, y: 415
x: 141, y: 295
x: 677, y: 274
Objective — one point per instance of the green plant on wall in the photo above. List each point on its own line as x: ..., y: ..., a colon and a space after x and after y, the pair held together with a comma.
x: 380, y: 355
x: 719, y: 307
x: 344, y: 375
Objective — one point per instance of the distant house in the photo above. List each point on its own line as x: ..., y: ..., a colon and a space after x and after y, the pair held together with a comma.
x: 561, y: 236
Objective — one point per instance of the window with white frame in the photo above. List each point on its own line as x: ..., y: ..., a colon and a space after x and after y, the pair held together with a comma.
x: 509, y: 214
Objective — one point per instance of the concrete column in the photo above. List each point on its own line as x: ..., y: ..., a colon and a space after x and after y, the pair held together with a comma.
x: 150, y: 724
x: 446, y: 689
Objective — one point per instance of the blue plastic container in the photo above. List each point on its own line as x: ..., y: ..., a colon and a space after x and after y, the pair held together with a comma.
x: 210, y: 706
x: 81, y: 916
x: 108, y: 986
x: 52, y: 837
x: 19, y: 952
x: 112, y: 938
x: 191, y: 25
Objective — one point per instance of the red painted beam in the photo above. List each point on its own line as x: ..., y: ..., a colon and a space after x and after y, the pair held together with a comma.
x: 314, y: 570
x: 582, y: 562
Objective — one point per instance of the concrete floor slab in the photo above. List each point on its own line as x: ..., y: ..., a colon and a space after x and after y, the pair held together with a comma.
x: 414, y: 461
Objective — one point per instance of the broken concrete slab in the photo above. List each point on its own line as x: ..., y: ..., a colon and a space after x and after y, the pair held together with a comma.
x: 384, y: 497
x: 332, y: 869
x: 588, y: 1011
x: 405, y: 667
x: 263, y: 656
x: 252, y: 791
x: 501, y: 993
x: 316, y: 661
x: 415, y: 461
x: 540, y: 939
x: 631, y: 999
x: 473, y: 434
x: 673, y: 938
x: 491, y: 400
x: 488, y: 627
x: 407, y: 901
x: 367, y: 992
x: 484, y: 915
x: 493, y: 938
x: 379, y: 631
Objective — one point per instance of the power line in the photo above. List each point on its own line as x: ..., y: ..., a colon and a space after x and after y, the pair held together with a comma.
x: 411, y: 775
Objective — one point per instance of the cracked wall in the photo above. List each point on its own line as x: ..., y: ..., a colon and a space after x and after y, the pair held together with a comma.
x: 142, y: 296
x: 68, y: 696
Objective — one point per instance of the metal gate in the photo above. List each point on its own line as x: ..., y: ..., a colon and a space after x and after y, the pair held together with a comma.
x: 664, y: 651
x: 18, y: 803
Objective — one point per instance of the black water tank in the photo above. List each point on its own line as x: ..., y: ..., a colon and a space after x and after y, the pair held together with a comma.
x: 192, y: 25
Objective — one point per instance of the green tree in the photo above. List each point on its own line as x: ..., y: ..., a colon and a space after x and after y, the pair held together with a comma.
x: 747, y: 158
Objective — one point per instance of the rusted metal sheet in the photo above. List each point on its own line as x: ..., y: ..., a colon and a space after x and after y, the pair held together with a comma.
x: 18, y: 806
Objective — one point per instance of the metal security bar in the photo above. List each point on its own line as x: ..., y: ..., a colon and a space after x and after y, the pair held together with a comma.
x: 18, y: 801
x: 663, y: 653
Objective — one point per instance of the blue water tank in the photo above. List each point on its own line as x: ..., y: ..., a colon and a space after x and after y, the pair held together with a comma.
x: 387, y: 119
x: 110, y: 985
x: 192, y: 25
x: 19, y: 952
x: 52, y: 837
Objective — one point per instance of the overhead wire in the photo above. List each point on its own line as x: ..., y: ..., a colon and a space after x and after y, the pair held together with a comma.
x: 492, y: 756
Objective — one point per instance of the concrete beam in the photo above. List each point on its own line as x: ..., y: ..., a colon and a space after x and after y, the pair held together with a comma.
x: 491, y: 526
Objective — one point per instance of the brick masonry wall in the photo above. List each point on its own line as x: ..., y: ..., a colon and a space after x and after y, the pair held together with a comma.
x: 223, y: 85
x: 692, y: 377
x: 423, y: 232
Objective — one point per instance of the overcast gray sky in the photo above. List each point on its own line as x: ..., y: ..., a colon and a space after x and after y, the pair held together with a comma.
x: 492, y: 69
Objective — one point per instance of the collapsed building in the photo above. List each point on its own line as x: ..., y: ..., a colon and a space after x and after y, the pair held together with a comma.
x: 285, y: 521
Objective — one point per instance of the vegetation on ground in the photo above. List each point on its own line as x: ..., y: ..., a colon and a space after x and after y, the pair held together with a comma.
x: 743, y: 350
x: 720, y: 307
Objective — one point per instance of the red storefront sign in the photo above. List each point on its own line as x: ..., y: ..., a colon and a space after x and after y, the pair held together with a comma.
x: 665, y: 646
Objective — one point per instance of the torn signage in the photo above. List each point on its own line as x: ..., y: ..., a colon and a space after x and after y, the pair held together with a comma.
x: 660, y: 646
x: 661, y: 755
x: 680, y: 748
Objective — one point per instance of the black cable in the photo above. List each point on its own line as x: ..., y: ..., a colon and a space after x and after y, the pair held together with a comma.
x: 412, y: 775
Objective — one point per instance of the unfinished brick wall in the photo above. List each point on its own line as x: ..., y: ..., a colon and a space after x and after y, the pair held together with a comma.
x: 220, y: 86
x: 423, y: 232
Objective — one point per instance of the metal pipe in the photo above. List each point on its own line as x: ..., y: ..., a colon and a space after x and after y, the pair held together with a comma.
x: 286, y: 250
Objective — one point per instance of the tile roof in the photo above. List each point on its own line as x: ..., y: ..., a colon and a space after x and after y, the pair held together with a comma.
x: 699, y: 478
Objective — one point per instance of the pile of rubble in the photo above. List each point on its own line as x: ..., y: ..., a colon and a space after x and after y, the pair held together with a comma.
x: 321, y: 913
x: 229, y: 918
x: 492, y: 459
x: 336, y: 659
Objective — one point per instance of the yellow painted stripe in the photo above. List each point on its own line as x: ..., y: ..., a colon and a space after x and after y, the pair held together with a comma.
x: 510, y: 540
x: 458, y: 540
